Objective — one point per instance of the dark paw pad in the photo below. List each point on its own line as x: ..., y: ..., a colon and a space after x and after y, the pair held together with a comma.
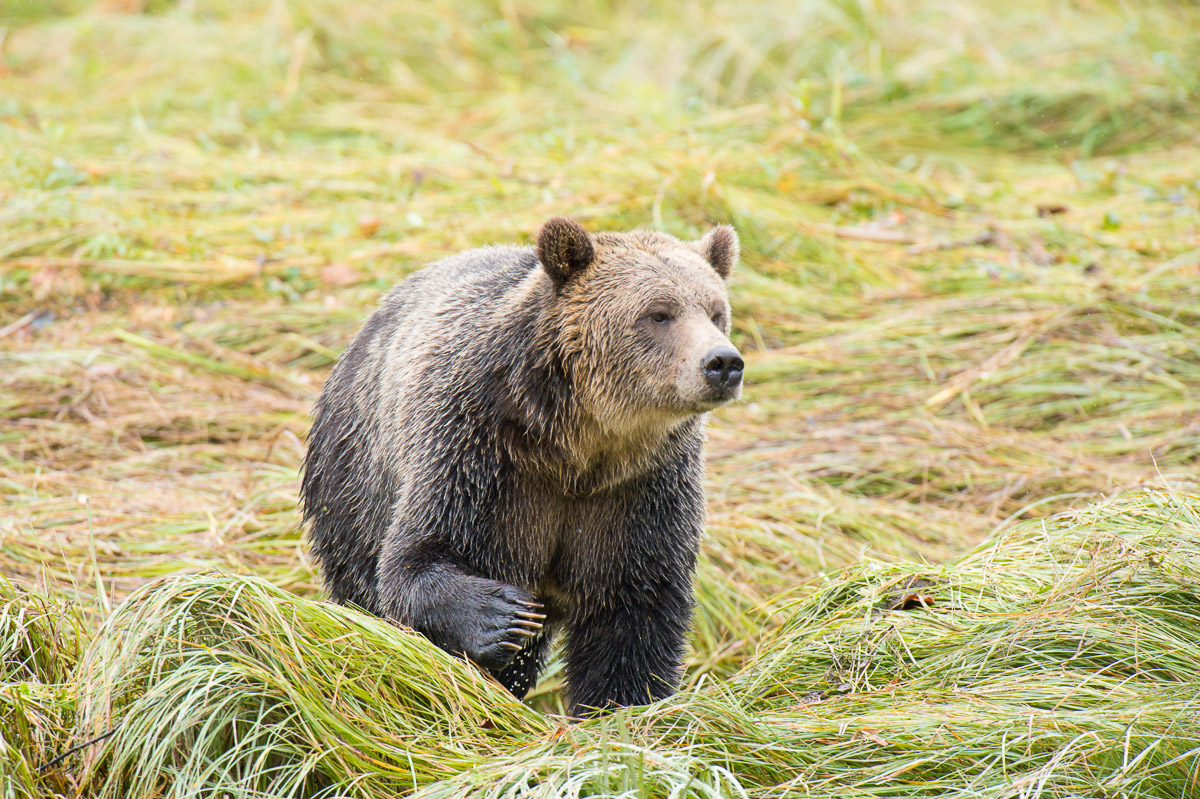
x: 509, y: 618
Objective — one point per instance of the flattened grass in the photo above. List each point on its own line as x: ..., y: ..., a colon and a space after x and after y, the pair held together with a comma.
x: 1058, y: 660
x: 41, y: 641
x: 970, y: 297
x: 326, y: 692
x: 204, y: 201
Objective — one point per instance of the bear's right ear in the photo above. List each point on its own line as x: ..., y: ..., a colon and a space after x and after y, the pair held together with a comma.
x: 564, y: 249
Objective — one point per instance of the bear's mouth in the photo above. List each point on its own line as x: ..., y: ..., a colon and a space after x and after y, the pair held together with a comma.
x: 716, y: 399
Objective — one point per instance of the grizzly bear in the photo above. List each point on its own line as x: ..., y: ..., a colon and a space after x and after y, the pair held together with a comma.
x: 513, y: 445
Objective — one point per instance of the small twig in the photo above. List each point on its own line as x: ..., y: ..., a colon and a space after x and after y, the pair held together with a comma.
x: 20, y: 323
x: 49, y: 764
x: 968, y: 377
x: 1181, y: 261
x: 963, y: 381
x: 868, y: 234
x: 295, y: 66
x: 986, y: 237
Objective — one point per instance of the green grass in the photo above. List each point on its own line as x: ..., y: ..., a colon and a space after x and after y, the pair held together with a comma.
x: 1059, y: 659
x: 969, y: 300
x: 41, y: 641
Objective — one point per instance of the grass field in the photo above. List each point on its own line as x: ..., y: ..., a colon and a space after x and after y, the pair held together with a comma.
x: 969, y: 302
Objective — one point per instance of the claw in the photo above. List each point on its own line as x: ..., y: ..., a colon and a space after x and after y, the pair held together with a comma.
x: 534, y: 605
x: 523, y: 631
x: 533, y: 625
x: 513, y: 647
x: 532, y: 616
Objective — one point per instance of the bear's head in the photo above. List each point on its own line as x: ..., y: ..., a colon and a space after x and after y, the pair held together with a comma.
x: 643, y: 319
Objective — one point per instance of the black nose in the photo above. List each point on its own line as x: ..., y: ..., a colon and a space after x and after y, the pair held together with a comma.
x: 723, y: 367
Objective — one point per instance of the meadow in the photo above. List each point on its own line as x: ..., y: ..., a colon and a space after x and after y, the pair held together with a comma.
x: 953, y: 546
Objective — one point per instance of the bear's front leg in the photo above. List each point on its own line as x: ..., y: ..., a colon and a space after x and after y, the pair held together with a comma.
x: 486, y: 621
x: 628, y: 582
x: 627, y: 650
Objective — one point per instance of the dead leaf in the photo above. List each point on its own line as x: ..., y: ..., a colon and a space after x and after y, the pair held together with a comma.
x: 914, y: 602
x: 49, y: 281
x: 100, y: 370
x: 1038, y: 253
x: 338, y: 275
x: 368, y: 225
x: 872, y: 736
x: 910, y: 596
x: 123, y: 6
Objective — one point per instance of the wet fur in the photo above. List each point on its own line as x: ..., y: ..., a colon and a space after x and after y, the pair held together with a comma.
x: 489, y: 440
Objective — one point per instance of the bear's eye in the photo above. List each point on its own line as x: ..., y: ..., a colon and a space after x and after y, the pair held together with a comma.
x: 660, y: 317
x: 717, y: 318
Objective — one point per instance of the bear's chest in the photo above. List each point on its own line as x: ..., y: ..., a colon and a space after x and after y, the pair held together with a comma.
x: 538, y: 533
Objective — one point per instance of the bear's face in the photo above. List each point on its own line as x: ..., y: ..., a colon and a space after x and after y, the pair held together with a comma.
x: 645, y: 321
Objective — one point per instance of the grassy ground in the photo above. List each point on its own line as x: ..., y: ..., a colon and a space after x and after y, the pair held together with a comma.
x: 970, y: 296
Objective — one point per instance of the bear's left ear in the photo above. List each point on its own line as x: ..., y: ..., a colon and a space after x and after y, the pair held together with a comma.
x: 720, y: 248
x: 564, y: 249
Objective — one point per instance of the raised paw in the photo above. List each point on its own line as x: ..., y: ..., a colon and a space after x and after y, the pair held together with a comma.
x: 509, y: 617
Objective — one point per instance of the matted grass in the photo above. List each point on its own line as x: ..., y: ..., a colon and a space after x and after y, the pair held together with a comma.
x: 969, y: 297
x: 41, y: 639
x: 1058, y: 660
x: 239, y: 683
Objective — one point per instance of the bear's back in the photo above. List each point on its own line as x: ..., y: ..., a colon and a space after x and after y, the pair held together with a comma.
x: 430, y: 312
x: 463, y: 279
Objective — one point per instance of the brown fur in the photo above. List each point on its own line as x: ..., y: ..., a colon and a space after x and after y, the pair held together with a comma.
x: 512, y: 428
x: 621, y: 415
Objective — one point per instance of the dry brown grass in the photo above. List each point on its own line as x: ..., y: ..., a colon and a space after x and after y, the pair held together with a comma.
x: 970, y: 292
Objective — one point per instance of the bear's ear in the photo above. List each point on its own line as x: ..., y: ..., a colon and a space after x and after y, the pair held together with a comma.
x: 720, y: 248
x: 564, y: 249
